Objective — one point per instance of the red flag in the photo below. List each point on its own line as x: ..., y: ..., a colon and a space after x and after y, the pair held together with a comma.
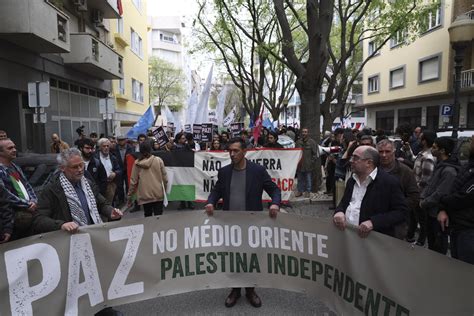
x: 258, y: 127
x: 119, y: 6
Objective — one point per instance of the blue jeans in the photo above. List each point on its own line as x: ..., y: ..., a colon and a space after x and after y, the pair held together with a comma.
x: 304, y: 181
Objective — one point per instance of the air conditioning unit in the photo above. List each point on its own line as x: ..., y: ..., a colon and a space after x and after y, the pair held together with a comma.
x: 98, y: 18
x: 81, y: 5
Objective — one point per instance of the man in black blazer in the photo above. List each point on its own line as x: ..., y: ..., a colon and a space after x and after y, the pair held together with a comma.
x: 373, y: 199
x: 241, y: 185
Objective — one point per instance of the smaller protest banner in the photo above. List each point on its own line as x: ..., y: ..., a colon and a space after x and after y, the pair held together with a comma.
x: 187, y: 128
x: 229, y: 118
x: 197, y: 132
x: 236, y: 128
x: 206, y: 132
x: 161, y: 136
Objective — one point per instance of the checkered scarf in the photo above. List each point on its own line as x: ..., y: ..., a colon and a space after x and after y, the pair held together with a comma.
x: 77, y: 213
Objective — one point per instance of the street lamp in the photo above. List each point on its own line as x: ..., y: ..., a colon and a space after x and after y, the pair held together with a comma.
x: 461, y: 33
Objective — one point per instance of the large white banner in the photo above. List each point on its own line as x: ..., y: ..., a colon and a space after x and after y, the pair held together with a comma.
x: 133, y: 260
x: 280, y: 164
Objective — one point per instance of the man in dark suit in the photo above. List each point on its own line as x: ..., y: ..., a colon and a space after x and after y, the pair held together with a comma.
x: 121, y: 150
x: 111, y: 165
x: 241, y: 185
x: 373, y: 199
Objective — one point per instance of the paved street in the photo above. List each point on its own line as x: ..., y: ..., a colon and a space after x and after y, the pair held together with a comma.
x: 211, y: 302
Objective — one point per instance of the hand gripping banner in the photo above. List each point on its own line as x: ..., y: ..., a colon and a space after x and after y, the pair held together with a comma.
x: 138, y: 259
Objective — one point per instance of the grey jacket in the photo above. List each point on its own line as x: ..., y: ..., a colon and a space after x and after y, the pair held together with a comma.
x: 440, y: 184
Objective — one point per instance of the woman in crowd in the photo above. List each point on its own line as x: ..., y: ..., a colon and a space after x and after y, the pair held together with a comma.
x: 216, y: 145
x: 149, y: 181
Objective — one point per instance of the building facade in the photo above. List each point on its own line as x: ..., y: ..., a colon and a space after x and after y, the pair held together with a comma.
x: 66, y: 43
x: 409, y: 83
x: 130, y: 39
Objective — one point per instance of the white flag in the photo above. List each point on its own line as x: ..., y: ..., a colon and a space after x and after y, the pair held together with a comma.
x: 191, y: 111
x: 202, y: 109
x: 229, y: 118
x: 220, y: 106
x: 172, y: 118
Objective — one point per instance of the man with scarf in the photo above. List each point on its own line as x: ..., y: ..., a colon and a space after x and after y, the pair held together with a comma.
x: 71, y: 201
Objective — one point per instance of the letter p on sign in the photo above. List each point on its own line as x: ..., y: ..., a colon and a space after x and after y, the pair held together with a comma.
x: 447, y: 110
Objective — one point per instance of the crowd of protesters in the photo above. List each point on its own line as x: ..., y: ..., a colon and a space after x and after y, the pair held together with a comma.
x: 438, y: 190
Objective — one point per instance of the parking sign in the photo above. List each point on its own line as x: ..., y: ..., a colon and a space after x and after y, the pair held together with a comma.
x: 447, y: 110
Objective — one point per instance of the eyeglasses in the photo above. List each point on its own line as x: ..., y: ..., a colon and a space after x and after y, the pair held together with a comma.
x: 356, y: 158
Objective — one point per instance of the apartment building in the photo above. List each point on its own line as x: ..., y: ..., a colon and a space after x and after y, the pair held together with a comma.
x: 129, y: 35
x: 409, y: 83
x: 66, y: 43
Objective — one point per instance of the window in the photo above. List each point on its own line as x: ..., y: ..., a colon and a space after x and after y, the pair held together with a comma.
x: 120, y: 26
x: 137, y: 44
x: 397, y: 78
x: 429, y: 69
x: 95, y: 49
x: 372, y: 48
x: 385, y: 120
x: 137, y: 91
x: 397, y: 39
x: 373, y: 85
x: 62, y: 29
x: 120, y: 65
x: 121, y: 86
x: 168, y: 37
x: 433, y: 20
x: 138, y: 4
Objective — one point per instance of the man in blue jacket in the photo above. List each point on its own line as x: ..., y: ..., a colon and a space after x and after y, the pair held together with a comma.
x: 241, y: 185
x: 373, y: 199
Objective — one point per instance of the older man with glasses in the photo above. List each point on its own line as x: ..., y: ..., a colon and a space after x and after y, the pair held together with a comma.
x: 373, y: 199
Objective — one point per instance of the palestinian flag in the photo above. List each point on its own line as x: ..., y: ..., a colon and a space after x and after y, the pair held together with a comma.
x: 192, y: 175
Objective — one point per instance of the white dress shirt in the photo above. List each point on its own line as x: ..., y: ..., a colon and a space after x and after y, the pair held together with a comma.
x: 107, y: 163
x: 358, y: 193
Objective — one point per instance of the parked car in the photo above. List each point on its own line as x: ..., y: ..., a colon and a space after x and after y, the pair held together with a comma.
x: 463, y: 146
x: 38, y: 168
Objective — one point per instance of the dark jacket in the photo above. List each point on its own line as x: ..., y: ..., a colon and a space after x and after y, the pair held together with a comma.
x: 6, y: 213
x: 441, y: 183
x: 408, y: 183
x: 128, y: 150
x: 273, y: 145
x: 96, y: 172
x: 257, y: 179
x: 115, y: 165
x: 460, y: 203
x: 383, y: 203
x: 53, y: 209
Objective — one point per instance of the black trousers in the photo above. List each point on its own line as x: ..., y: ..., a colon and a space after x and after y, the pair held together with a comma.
x: 153, y: 208
x: 437, y: 239
x: 420, y: 216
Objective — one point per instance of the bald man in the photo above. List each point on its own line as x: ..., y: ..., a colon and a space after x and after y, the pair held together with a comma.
x: 57, y: 144
x: 373, y: 199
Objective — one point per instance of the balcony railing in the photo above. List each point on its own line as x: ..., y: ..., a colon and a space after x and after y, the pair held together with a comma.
x: 467, y: 77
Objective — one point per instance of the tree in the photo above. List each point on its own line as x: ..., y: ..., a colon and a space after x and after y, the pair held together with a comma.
x: 166, y: 85
x: 355, y: 23
x: 236, y: 32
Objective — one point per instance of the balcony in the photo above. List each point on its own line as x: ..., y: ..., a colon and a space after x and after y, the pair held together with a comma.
x: 467, y: 77
x: 90, y: 55
x: 108, y: 8
x: 35, y: 25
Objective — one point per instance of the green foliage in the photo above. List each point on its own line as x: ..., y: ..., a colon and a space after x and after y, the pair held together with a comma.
x: 166, y: 84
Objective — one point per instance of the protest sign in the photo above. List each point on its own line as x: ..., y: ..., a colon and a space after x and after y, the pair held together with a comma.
x: 187, y: 128
x: 236, y: 128
x: 161, y: 136
x: 197, y: 132
x: 206, y: 133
